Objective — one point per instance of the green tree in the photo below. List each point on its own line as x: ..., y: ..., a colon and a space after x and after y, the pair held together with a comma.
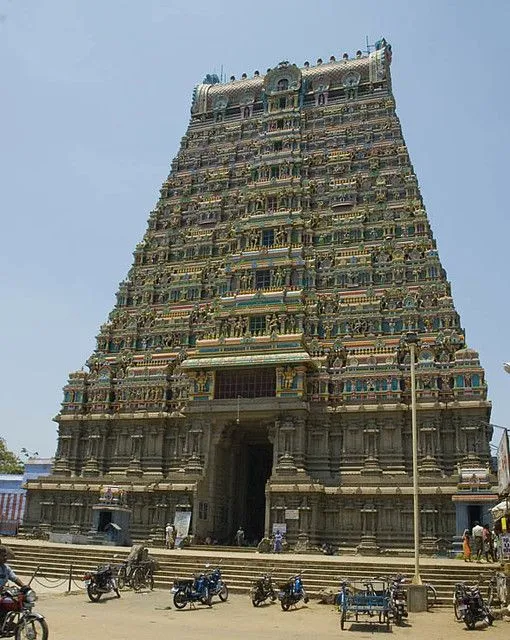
x: 9, y: 461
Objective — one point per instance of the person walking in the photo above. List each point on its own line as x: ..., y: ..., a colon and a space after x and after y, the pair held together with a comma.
x: 488, y: 550
x: 277, y: 542
x: 170, y: 534
x: 240, y: 537
x: 466, y: 545
x: 477, y: 534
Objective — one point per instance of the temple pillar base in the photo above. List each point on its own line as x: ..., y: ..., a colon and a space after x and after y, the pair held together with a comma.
x: 91, y: 468
x: 368, y: 545
x: 134, y: 469
x: 157, y: 537
x: 428, y: 465
x: 428, y: 545
x: 194, y: 465
x: 286, y: 465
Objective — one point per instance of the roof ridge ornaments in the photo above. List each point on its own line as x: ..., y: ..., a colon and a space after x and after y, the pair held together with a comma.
x: 285, y: 77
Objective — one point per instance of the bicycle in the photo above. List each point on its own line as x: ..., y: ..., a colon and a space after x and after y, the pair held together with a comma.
x: 137, y: 576
x: 497, y: 589
x: 459, y: 593
x: 431, y: 595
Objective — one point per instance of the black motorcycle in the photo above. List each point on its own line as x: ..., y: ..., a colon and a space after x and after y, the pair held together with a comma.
x: 100, y: 582
x: 470, y: 606
x: 398, y: 599
x: 262, y: 590
x: 291, y: 592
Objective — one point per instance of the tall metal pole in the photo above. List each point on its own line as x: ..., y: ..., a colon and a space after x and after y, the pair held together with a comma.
x: 416, y: 504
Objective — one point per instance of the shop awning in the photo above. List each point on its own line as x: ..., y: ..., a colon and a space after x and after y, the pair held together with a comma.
x: 501, y: 509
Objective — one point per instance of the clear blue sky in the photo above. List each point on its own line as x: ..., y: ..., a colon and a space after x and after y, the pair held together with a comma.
x: 96, y: 96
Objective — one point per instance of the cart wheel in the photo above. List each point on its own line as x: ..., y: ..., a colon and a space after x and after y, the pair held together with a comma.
x: 342, y: 620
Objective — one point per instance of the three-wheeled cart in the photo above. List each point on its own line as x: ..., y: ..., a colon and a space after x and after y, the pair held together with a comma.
x: 365, y: 598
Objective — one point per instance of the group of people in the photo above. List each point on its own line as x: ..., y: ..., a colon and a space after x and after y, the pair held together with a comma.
x: 479, y: 543
x: 277, y: 540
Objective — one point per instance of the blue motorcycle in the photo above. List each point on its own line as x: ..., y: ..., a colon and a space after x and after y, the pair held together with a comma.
x: 217, y: 587
x: 291, y: 592
x: 194, y: 590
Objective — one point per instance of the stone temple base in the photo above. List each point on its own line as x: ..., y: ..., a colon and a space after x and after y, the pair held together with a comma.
x: 368, y: 546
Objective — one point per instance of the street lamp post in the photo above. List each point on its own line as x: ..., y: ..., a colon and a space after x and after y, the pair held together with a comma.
x: 412, y: 341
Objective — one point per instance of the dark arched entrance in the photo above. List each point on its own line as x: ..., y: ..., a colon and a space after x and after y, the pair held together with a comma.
x: 247, y: 467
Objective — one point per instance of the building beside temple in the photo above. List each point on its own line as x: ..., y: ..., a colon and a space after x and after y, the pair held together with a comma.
x: 254, y: 369
x: 13, y: 493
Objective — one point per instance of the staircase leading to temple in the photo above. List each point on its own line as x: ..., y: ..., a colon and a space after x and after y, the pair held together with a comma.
x: 241, y: 568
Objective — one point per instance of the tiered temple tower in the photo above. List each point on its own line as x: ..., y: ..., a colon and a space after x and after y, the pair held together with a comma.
x: 254, y: 368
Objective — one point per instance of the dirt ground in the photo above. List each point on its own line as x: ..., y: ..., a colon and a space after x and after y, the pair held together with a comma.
x: 152, y: 616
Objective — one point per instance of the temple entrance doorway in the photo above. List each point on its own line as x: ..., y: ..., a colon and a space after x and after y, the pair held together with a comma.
x: 474, y: 515
x: 105, y: 519
x: 250, y: 462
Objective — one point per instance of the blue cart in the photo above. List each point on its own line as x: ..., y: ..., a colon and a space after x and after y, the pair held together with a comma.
x: 364, y: 598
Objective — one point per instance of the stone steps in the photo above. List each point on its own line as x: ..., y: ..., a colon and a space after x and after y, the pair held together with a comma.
x: 240, y: 569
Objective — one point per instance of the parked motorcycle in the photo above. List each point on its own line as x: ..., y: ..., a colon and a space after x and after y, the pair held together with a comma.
x: 291, y: 592
x: 470, y: 606
x: 17, y: 618
x: 398, y: 598
x: 263, y: 589
x: 100, y: 582
x: 217, y: 587
x: 194, y: 590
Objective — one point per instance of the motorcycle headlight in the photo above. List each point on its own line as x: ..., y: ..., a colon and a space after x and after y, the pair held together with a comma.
x: 30, y: 597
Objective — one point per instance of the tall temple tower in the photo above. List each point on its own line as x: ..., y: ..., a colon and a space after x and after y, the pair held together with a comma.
x: 254, y: 369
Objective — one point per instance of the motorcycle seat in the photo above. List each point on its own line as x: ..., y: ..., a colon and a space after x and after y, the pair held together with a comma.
x: 183, y: 583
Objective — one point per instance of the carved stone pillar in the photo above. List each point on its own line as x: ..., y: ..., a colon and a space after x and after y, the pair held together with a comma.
x: 368, y: 544
x: 286, y: 437
x: 428, y: 520
x: 371, y: 448
x: 272, y: 434
x: 135, y: 466
x: 300, y: 445
x: 91, y: 466
x: 157, y: 531
x: 47, y: 511
x: 305, y: 512
x: 427, y: 449
x: 61, y: 465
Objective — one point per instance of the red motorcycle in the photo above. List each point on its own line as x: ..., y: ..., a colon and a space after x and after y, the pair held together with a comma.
x: 17, y: 620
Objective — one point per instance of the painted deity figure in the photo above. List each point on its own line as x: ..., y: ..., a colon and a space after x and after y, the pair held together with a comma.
x: 288, y: 375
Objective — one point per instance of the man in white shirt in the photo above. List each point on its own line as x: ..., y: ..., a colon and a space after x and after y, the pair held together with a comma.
x: 477, y: 534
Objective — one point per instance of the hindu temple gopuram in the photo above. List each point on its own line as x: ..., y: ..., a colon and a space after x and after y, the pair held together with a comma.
x: 254, y: 370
